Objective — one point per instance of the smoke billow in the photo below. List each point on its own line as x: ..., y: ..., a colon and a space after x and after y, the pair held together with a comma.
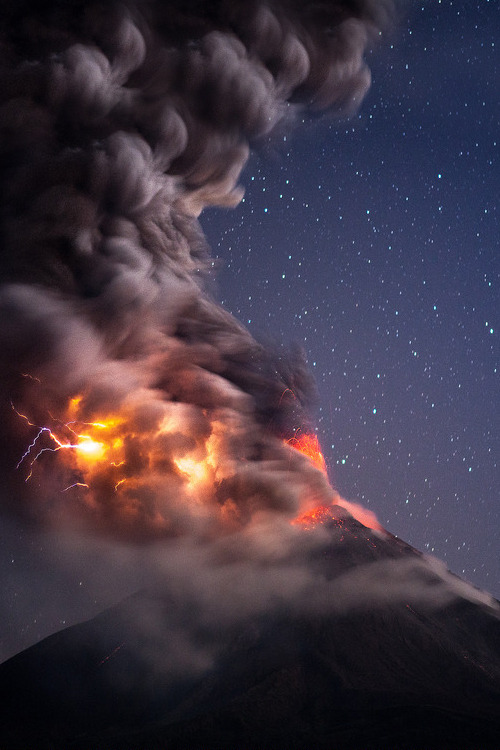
x: 132, y: 402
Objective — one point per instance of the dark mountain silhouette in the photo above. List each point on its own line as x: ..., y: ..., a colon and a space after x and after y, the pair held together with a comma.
x: 417, y: 667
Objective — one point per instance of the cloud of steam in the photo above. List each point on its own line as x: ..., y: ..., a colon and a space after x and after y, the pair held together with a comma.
x: 132, y: 402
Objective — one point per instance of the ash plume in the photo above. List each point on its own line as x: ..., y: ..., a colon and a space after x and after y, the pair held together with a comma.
x: 119, y: 123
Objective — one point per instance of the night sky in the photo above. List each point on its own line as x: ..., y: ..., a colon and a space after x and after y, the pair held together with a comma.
x: 373, y: 243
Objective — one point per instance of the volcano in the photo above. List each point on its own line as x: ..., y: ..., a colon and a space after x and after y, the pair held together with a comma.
x: 384, y: 648
x: 139, y: 417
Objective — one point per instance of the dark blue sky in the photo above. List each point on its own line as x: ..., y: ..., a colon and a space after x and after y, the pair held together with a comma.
x: 374, y: 244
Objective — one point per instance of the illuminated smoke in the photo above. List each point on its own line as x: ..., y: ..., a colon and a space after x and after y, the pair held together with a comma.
x: 132, y: 402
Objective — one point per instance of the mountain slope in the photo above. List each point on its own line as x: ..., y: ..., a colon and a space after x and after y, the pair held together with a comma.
x: 419, y: 670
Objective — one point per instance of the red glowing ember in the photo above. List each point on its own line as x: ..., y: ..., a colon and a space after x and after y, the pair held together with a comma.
x: 308, y: 444
x: 313, y: 517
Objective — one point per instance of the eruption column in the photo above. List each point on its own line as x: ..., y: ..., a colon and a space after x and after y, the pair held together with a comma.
x: 119, y: 123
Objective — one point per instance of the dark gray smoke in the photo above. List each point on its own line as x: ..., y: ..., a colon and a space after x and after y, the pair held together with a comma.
x: 132, y: 402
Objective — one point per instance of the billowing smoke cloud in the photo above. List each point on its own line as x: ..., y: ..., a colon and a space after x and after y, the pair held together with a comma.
x: 132, y: 402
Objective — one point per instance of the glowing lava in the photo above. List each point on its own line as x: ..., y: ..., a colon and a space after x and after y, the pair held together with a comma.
x: 311, y: 518
x: 308, y: 444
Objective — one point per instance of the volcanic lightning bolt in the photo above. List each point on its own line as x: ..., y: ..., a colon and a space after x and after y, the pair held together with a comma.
x: 84, y: 445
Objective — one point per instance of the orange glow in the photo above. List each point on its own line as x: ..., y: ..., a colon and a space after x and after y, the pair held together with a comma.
x: 95, y: 446
x: 74, y: 404
x: 308, y: 444
x: 151, y: 463
x: 84, y: 447
x: 323, y: 514
x: 313, y: 517
x: 196, y: 471
x: 108, y: 461
x: 90, y: 448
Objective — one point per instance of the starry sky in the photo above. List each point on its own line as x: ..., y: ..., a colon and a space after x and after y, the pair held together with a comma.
x: 373, y: 243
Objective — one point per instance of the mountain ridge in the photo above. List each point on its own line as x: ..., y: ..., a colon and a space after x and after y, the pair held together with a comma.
x: 395, y: 670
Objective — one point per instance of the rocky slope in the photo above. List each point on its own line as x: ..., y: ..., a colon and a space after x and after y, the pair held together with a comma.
x: 420, y: 670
